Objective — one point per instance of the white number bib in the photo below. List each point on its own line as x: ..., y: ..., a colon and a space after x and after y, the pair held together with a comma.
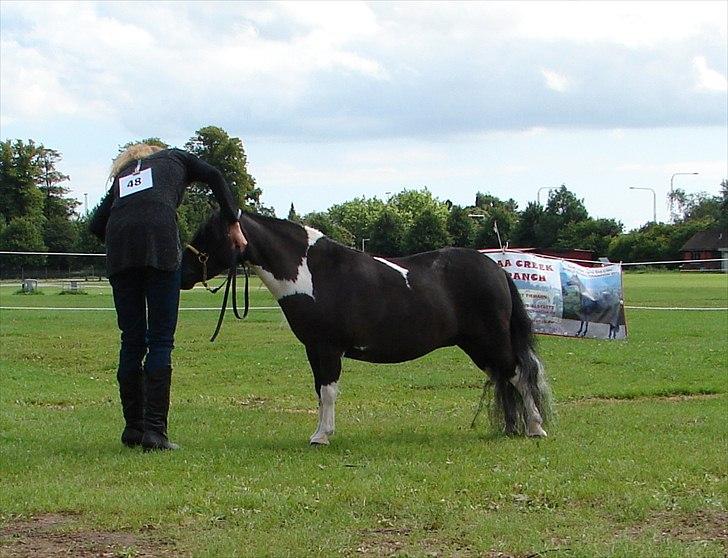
x: 134, y: 183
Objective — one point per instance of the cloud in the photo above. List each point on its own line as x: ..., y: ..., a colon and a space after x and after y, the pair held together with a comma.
x: 363, y: 70
x: 555, y: 81
x: 709, y: 79
x: 631, y: 24
x: 716, y: 169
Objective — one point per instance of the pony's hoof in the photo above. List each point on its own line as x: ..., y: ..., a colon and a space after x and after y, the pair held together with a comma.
x: 320, y: 440
x: 536, y: 432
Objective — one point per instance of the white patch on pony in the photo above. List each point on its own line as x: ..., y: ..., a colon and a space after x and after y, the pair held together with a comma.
x: 397, y: 268
x: 302, y: 284
x: 313, y: 235
x: 327, y: 408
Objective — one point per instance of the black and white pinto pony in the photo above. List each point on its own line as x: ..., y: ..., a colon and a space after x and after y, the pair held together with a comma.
x: 340, y: 302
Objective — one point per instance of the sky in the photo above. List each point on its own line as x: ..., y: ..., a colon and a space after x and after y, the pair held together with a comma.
x: 336, y: 100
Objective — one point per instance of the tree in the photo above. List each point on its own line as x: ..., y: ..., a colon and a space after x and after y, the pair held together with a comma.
x: 460, y: 226
x: 723, y: 219
x: 387, y: 236
x: 698, y: 206
x: 527, y: 233
x: 60, y: 234
x: 540, y: 227
x: 566, y: 205
x: 410, y: 204
x: 20, y: 174
x: 213, y: 145
x: 322, y: 221
x: 589, y: 234
x: 427, y: 232
x: 57, y: 207
x: 357, y: 216
x: 32, y: 199
x: 293, y: 216
x: 654, y: 242
x: 23, y: 234
x: 486, y: 201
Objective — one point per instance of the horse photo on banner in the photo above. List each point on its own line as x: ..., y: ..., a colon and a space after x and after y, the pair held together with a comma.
x: 564, y: 298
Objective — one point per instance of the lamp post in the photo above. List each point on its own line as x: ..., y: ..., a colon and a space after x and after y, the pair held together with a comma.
x: 538, y: 193
x: 672, y: 189
x: 654, y: 201
x: 363, y: 240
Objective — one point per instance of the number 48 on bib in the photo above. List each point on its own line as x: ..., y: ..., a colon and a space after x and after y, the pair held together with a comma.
x: 133, y: 183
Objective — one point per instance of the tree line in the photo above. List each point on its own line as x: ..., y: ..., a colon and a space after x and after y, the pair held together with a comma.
x: 415, y: 221
x: 37, y: 215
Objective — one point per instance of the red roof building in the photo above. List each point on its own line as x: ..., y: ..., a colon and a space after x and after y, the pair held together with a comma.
x: 706, y: 245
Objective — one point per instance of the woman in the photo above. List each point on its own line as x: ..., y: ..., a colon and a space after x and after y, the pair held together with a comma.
x: 137, y: 219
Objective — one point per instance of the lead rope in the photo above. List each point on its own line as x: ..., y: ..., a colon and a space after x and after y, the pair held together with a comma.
x: 231, y: 280
x: 483, y: 395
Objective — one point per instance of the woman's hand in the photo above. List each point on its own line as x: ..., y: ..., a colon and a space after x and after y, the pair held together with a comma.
x: 236, y: 236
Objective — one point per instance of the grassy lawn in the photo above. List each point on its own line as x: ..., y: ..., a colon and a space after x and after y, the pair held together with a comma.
x: 635, y: 465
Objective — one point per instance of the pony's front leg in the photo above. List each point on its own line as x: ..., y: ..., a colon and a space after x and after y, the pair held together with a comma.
x: 326, y: 366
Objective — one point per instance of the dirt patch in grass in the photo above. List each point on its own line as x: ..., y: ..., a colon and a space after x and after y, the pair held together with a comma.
x: 54, y: 535
x: 699, y: 526
x: 632, y: 398
x: 392, y: 541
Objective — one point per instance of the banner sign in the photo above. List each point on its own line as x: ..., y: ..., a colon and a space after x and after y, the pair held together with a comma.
x: 564, y: 298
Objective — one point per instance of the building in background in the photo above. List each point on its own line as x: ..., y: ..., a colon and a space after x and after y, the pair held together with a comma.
x: 706, y: 245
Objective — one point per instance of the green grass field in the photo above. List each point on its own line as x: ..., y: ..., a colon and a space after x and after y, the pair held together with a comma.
x: 635, y: 465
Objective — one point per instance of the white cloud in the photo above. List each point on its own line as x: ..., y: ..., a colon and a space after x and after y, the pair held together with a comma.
x: 714, y: 169
x: 346, y: 69
x: 557, y: 82
x: 632, y: 24
x: 709, y: 79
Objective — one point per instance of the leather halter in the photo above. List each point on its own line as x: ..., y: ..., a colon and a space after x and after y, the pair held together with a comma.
x: 202, y: 257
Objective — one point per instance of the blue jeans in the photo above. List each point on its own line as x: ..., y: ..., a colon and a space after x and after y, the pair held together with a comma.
x: 147, y: 302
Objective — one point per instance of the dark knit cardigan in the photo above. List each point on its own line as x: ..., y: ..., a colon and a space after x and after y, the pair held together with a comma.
x: 140, y: 229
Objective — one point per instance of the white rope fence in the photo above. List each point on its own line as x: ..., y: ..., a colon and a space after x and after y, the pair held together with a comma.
x: 206, y: 309
x: 624, y: 264
x: 6, y: 253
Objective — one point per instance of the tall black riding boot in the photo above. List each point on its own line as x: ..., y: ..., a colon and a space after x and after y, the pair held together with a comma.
x: 157, y: 385
x: 131, y: 391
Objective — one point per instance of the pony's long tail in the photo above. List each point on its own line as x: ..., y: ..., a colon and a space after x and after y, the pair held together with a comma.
x: 507, y: 399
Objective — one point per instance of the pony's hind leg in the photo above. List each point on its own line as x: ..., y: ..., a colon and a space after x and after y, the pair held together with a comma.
x: 495, y: 362
x: 326, y: 366
x: 507, y: 405
x: 520, y: 381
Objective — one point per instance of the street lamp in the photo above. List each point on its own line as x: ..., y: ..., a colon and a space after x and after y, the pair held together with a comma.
x: 363, y: 240
x: 538, y: 194
x: 654, y: 201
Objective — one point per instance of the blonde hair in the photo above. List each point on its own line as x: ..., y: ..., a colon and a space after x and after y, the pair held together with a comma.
x: 132, y: 153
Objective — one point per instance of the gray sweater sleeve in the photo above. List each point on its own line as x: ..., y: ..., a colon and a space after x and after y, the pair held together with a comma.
x: 97, y: 223
x: 200, y: 171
